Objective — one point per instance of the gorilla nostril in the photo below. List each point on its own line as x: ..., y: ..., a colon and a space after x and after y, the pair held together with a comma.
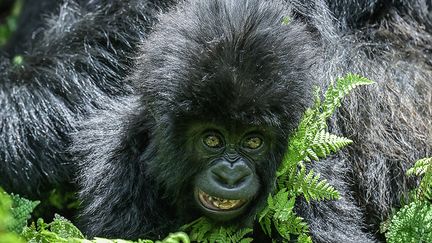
x: 231, y: 175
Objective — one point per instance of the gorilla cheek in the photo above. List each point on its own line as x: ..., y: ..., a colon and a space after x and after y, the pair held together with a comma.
x: 225, y: 189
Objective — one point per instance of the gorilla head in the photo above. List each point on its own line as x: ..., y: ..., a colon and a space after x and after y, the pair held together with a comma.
x: 225, y: 88
x: 220, y: 86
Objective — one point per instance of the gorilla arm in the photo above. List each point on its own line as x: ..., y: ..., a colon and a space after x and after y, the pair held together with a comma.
x: 77, y: 62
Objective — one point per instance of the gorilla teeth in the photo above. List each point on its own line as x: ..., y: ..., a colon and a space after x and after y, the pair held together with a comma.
x: 219, y: 203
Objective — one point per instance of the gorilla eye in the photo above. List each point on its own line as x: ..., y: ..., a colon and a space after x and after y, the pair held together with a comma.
x: 253, y: 142
x: 213, y: 141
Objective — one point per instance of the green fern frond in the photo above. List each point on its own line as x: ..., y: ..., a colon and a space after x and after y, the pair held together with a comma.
x: 314, y: 123
x: 312, y: 188
x: 238, y: 236
x: 198, y: 229
x: 293, y: 225
x: 280, y: 212
x: 421, y: 167
x: 283, y: 206
x: 413, y: 223
x: 274, y: 203
x: 335, y: 92
x: 424, y: 190
x: 65, y: 228
x: 203, y: 230
x: 265, y: 217
x: 229, y: 235
x: 304, y: 238
x: 21, y: 212
x: 310, y: 142
x: 323, y: 144
x: 311, y: 155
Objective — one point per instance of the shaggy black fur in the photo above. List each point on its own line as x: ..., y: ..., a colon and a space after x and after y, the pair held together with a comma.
x: 70, y: 69
x: 128, y: 101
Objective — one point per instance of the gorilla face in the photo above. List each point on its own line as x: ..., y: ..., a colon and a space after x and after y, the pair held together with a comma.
x: 219, y: 168
x: 229, y: 182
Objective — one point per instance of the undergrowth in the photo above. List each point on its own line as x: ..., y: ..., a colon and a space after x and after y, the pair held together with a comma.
x: 413, y: 222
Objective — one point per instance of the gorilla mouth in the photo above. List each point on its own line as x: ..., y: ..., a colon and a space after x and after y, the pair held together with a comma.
x: 219, y: 204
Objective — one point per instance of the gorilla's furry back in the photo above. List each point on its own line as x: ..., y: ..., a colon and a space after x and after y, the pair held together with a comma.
x: 74, y: 81
x: 68, y: 69
x: 389, y: 122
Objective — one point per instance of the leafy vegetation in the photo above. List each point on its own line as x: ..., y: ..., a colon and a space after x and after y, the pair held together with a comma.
x: 7, y: 221
x: 203, y: 230
x: 21, y: 209
x: 15, y: 211
x: 423, y: 168
x: 9, y: 24
x: 62, y: 230
x: 413, y: 223
x: 311, y: 142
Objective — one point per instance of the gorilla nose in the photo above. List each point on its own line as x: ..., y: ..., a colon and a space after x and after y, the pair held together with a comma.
x: 231, y: 174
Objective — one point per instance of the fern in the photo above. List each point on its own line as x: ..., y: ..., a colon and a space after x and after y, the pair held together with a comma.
x: 335, y: 93
x: 6, y: 220
x: 311, y: 142
x: 310, y: 186
x: 323, y: 144
x: 413, y: 223
x: 423, y: 168
x: 21, y: 211
x: 279, y: 210
x: 15, y: 210
x: 203, y: 230
x: 62, y: 230
x: 9, y: 25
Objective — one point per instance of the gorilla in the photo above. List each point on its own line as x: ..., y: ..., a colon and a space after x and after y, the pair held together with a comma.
x: 160, y: 112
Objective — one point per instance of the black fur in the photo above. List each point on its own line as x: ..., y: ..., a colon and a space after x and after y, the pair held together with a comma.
x: 127, y: 100
x: 69, y: 70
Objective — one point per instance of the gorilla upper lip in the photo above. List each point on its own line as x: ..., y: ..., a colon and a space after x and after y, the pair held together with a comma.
x: 219, y: 204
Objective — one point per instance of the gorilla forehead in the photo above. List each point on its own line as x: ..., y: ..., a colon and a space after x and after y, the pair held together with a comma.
x: 235, y: 60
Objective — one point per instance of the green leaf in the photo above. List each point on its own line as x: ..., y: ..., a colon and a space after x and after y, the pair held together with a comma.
x: 21, y: 212
x: 324, y: 143
x: 335, y: 92
x: 312, y: 188
x: 64, y: 228
x: 304, y: 238
x: 421, y: 167
x: 413, y: 223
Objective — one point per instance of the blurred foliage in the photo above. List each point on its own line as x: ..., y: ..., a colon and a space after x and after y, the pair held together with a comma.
x: 8, y: 22
x: 7, y: 221
x: 15, y: 211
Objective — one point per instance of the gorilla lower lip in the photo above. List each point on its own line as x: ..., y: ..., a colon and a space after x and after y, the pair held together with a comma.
x: 216, y: 203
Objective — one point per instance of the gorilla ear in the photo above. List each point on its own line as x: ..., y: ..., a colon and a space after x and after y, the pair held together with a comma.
x: 137, y: 134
